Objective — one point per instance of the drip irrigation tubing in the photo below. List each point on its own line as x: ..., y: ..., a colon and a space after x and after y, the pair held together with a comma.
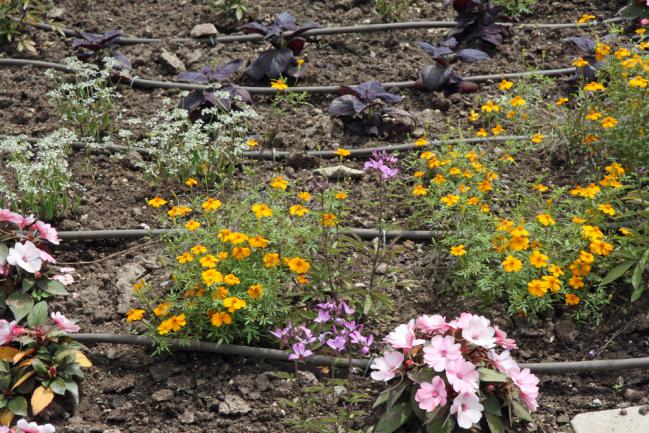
x: 277, y: 155
x: 606, y: 365
x: 153, y: 84
x: 337, y: 30
x: 90, y: 235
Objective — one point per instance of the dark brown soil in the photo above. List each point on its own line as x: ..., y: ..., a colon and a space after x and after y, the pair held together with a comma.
x: 129, y: 391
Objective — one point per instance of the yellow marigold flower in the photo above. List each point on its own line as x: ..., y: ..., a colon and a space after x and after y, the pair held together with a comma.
x: 222, y: 255
x: 300, y: 62
x: 586, y: 257
x: 615, y: 169
x: 507, y: 157
x: 473, y: 201
x: 484, y: 208
x: 298, y: 210
x: 185, y: 257
x: 439, y: 179
x: 258, y: 242
x: 609, y: 122
x: 208, y: 261
x: 261, y: 210
x: 304, y: 196
x: 562, y: 101
x: 279, y: 183
x: 177, y: 211
x: 221, y: 293
x: 255, y: 291
x: 418, y: 173
x: 497, y: 130
x: 418, y: 190
x: 590, y: 139
x: 643, y: 45
x: 450, y: 200
x: 191, y: 182
x: 211, y: 277
x: 454, y: 171
x: 198, y: 249
x: 585, y: 18
x: 580, y: 63
x: 482, y: 133
x: 540, y: 187
x: 463, y: 188
x: 485, y: 186
x: 162, y: 309
x: 538, y: 259
x: 302, y: 280
x: 593, y: 115
x: 638, y: 81
x: 341, y: 195
x: 138, y: 285
x: 490, y: 107
x: 473, y: 116
x: 537, y: 288
x: 519, y: 231
x: 512, y: 264
x: 224, y: 235
x: 298, y: 265
x: 594, y: 86
x: 221, y: 318
x: 279, y: 84
x: 328, y: 220
x: 576, y: 282
x: 591, y: 232
x: 626, y: 232
x: 427, y: 155
x: 640, y: 31
x: 192, y: 225
x: 342, y: 152
x: 572, y: 299
x: 505, y: 85
x: 173, y: 324
x: 554, y: 284
x: 270, y: 260
x: 601, y: 51
x: 211, y: 204
x: 421, y: 141
x: 537, y: 138
x: 510, y: 114
x: 240, y: 253
x: 621, y: 53
x: 231, y: 280
x: 458, y: 250
x: 237, y: 238
x: 607, y: 209
x: 519, y: 243
x: 546, y: 219
x: 233, y: 304
x: 157, y: 202
x: 134, y: 315
x: 600, y: 247
x: 505, y: 225
x: 251, y: 142
x: 555, y: 270
x: 517, y: 101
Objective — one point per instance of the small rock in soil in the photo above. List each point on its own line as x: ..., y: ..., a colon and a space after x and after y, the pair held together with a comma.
x: 206, y: 29
x: 563, y: 419
x: 233, y: 405
x: 159, y: 372
x: 633, y: 395
x: 179, y: 382
x: 120, y: 384
x: 262, y: 382
x: 128, y: 276
x: 172, y: 61
x: 381, y: 268
x: 194, y: 57
x: 339, y: 172
x: 596, y: 403
x: 301, y: 160
x: 163, y: 395
x: 308, y: 377
x: 566, y: 331
x: 187, y: 417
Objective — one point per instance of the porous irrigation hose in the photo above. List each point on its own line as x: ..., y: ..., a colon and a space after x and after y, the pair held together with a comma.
x: 322, y: 360
x: 417, y: 235
x: 277, y: 155
x: 153, y: 84
x: 337, y: 30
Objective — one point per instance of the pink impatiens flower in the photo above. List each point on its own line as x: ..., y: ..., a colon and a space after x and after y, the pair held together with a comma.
x: 463, y: 376
x: 431, y: 395
x: 478, y: 332
x: 441, y: 352
x: 432, y: 324
x: 403, y: 337
x: 63, y: 323
x: 387, y: 366
x: 467, y: 409
x: 503, y: 361
x: 26, y: 256
x: 65, y: 279
x: 11, y: 217
x: 32, y: 427
x: 47, y: 232
x: 9, y: 331
x: 527, y: 384
x: 503, y: 341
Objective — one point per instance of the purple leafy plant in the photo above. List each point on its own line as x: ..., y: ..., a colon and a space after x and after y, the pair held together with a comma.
x: 476, y: 21
x: 90, y: 45
x: 280, y: 60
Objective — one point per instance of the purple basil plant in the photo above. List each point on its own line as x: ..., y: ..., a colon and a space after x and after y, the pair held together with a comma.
x: 198, y: 100
x: 477, y: 22
x: 366, y: 109
x: 89, y: 45
x: 383, y: 163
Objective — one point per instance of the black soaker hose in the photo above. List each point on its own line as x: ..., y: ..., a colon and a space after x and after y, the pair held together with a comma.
x: 153, y: 84
x: 337, y: 30
x: 322, y: 360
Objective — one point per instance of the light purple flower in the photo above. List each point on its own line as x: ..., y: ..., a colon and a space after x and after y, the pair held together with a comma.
x: 338, y: 344
x: 431, y: 395
x: 462, y: 375
x: 364, y: 342
x: 63, y: 323
x: 299, y: 352
x: 467, y: 409
x: 441, y: 352
x: 383, y: 163
x: 26, y: 256
x: 323, y: 316
x: 387, y: 366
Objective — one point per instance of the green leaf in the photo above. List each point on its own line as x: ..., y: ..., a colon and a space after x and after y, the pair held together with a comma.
x: 73, y: 389
x: 521, y: 412
x: 492, y: 405
x: 20, y: 304
x: 495, y: 423
x: 637, y: 275
x: 394, y: 418
x: 4, y: 252
x: 488, y: 375
x: 38, y: 315
x: 367, y: 306
x: 441, y: 425
x: 382, y: 398
x: 58, y: 386
x: 52, y: 287
x: 18, y: 405
x: 617, y: 272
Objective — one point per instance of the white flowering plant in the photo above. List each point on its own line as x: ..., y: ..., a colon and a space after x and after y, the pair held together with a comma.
x: 40, y: 173
x: 451, y: 373
x: 27, y: 272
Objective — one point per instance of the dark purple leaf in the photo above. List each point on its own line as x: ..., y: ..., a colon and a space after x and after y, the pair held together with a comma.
x: 285, y: 21
x: 586, y: 45
x: 434, y: 77
x: 123, y: 63
x: 435, y: 52
x: 389, y: 97
x: 294, y: 71
x: 296, y: 45
x: 369, y: 90
x: 449, y: 43
x: 469, y: 55
x: 192, y: 101
x: 347, y: 90
x: 468, y: 87
x: 193, y: 77
x: 304, y: 28
x: 346, y: 106
x: 493, y: 38
x: 222, y: 73
x: 255, y: 28
x: 271, y: 63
